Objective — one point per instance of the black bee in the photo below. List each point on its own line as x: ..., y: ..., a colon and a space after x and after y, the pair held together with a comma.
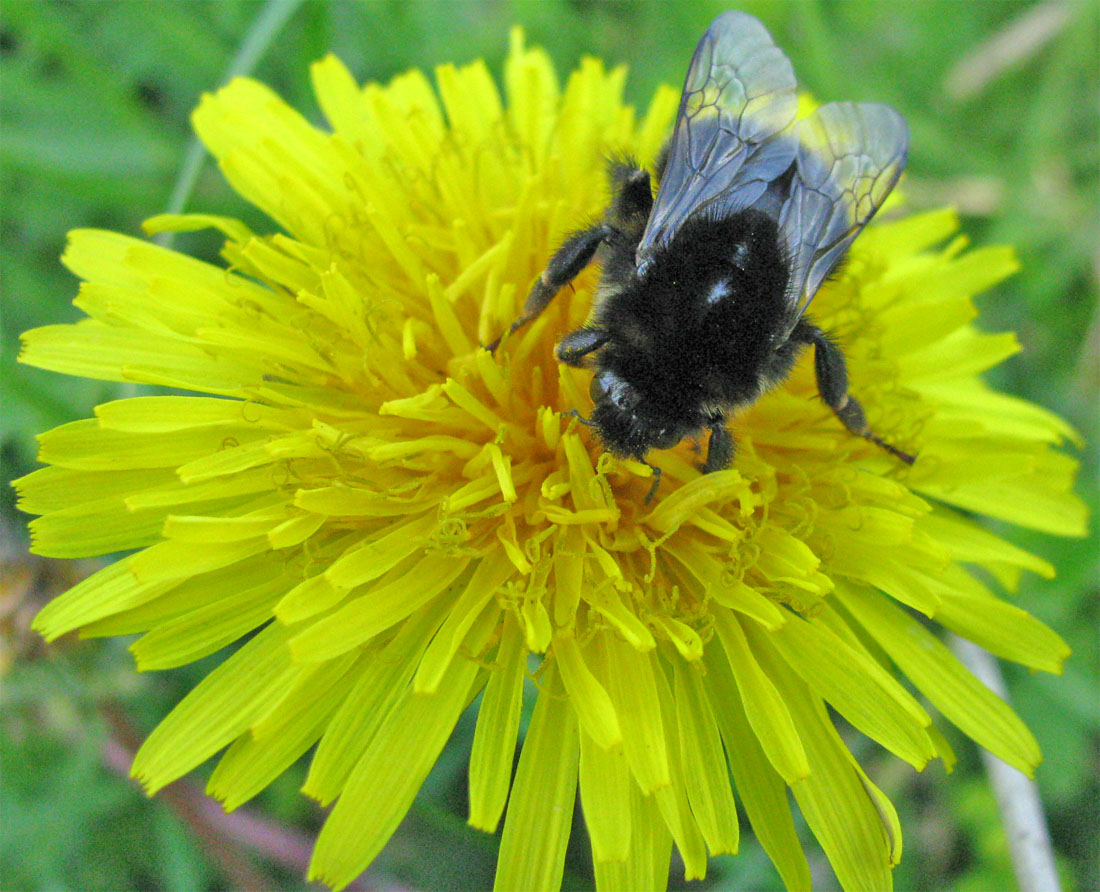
x: 702, y: 298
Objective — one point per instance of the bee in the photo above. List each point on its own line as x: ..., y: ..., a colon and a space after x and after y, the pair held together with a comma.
x: 701, y: 304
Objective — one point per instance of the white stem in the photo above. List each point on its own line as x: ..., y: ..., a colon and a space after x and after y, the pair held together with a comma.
x: 1017, y: 797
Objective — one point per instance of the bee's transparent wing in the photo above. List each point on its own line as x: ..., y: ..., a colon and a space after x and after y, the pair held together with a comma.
x: 850, y: 155
x: 738, y: 97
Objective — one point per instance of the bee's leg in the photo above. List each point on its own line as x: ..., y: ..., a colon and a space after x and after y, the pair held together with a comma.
x: 633, y: 196
x: 720, y: 448
x: 832, y: 384
x: 576, y: 347
x: 656, y: 481
x: 574, y: 255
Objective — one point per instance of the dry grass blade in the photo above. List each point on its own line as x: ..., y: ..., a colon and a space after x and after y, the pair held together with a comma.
x: 1014, y: 44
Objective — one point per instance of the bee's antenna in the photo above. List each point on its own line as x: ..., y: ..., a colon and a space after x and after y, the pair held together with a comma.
x: 575, y: 414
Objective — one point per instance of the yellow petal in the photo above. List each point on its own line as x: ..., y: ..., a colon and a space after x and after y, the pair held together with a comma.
x: 532, y: 88
x: 1002, y: 628
x: 206, y: 629
x: 633, y: 690
x: 606, y: 784
x: 231, y: 228
x: 383, y: 680
x: 1039, y: 499
x: 967, y: 541
x: 196, y: 593
x: 761, y: 789
x: 84, y: 445
x: 218, y: 710
x: 590, y: 700
x: 113, y: 589
x: 494, y: 746
x: 160, y: 414
x: 650, y: 847
x: 254, y: 760
x: 672, y: 800
x: 377, y: 608
x: 704, y: 764
x: 55, y: 489
x: 939, y: 675
x: 202, y: 529
x: 94, y: 528
x: 488, y: 577
x: 374, y: 557
x: 540, y: 810
x: 386, y: 778
x: 764, y: 704
x: 172, y: 561
x: 470, y: 98
x: 842, y: 814
x: 858, y: 688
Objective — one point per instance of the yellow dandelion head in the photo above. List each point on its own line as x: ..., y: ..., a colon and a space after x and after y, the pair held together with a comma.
x: 406, y: 516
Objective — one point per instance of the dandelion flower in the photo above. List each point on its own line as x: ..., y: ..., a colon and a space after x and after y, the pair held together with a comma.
x: 394, y: 520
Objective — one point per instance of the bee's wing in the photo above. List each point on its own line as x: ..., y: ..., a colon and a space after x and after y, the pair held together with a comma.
x: 850, y: 155
x: 739, y: 96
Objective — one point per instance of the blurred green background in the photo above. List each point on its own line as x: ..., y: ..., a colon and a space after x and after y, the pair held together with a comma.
x: 1002, y: 101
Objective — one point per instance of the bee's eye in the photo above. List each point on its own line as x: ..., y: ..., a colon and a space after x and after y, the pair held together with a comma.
x: 606, y: 386
x: 596, y: 389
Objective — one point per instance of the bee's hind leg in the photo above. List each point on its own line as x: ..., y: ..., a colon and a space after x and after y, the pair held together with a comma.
x: 575, y: 253
x: 832, y: 384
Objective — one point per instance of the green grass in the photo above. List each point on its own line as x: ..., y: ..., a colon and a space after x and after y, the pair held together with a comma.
x: 95, y: 98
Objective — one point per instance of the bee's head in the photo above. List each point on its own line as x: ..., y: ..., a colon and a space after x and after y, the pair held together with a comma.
x: 629, y: 424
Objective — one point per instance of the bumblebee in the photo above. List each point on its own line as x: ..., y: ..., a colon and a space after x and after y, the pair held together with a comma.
x: 701, y: 305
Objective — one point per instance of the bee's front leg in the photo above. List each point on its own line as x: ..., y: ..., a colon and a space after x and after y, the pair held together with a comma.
x: 720, y: 448
x: 832, y: 384
x: 575, y: 253
x: 577, y: 347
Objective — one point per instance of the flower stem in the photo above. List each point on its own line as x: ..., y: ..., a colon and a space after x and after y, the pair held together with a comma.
x: 229, y: 839
x: 1017, y: 797
x: 189, y: 806
x: 266, y: 26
